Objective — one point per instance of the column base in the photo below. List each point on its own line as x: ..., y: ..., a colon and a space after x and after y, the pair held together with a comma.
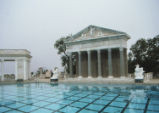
x: 89, y: 76
x: 2, y: 79
x: 110, y: 76
x: 99, y: 77
x: 26, y: 79
x: 122, y: 77
x: 79, y: 77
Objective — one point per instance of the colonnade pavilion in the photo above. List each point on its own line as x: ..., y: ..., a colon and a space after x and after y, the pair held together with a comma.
x: 21, y: 59
x: 97, y: 52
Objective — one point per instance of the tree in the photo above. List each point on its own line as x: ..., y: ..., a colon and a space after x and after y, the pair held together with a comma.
x: 145, y: 53
x: 131, y: 63
x: 61, y: 47
x: 153, y: 55
x: 137, y: 54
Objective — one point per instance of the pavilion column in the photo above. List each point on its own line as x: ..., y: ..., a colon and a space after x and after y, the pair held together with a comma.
x: 29, y: 74
x: 16, y: 69
x: 79, y: 65
x: 89, y: 64
x: 70, y: 64
x: 2, y: 69
x: 109, y: 63
x: 99, y: 63
x: 25, y: 69
x: 122, y: 63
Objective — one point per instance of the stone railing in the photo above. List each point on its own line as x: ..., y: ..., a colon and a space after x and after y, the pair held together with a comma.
x: 8, y: 77
x: 147, y: 76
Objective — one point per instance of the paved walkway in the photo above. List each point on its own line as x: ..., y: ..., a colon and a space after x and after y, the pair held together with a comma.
x: 107, y: 81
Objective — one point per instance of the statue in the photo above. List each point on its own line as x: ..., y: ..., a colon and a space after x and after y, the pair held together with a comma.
x: 139, y: 74
x: 54, y: 78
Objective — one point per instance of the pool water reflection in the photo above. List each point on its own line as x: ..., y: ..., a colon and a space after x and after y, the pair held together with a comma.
x: 72, y: 98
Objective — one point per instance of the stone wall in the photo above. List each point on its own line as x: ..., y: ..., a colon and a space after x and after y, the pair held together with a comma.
x: 84, y: 64
x: 116, y: 63
x: 94, y: 64
x: 104, y: 63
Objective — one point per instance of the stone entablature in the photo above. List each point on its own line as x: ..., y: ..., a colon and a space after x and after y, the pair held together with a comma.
x: 100, y: 43
x: 21, y: 57
x: 91, y: 45
x: 14, y: 53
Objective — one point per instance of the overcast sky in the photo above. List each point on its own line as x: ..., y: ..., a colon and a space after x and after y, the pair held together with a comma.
x: 35, y: 25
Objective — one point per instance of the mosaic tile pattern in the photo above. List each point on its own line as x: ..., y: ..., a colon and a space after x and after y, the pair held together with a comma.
x: 71, y: 98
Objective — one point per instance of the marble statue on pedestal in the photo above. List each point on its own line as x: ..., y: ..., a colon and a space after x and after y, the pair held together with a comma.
x: 139, y: 77
x: 55, y: 76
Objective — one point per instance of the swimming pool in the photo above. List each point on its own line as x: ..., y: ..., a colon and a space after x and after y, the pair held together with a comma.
x: 71, y: 98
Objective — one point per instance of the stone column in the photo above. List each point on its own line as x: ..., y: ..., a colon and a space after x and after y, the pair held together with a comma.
x: 16, y: 69
x: 70, y: 64
x: 110, y: 63
x: 89, y: 64
x: 122, y: 63
x: 79, y: 65
x: 2, y: 69
x: 29, y: 74
x: 25, y: 69
x: 99, y: 63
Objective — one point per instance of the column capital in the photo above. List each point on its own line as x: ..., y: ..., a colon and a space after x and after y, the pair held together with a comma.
x: 121, y: 48
x: 88, y: 51
x: 69, y: 53
x: 109, y: 49
x: 99, y: 50
x: 1, y: 60
x: 79, y: 52
x: 25, y: 60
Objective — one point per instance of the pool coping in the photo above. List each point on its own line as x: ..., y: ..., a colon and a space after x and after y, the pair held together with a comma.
x: 87, y: 81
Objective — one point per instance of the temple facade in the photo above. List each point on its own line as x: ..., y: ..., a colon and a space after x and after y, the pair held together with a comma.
x: 97, y: 52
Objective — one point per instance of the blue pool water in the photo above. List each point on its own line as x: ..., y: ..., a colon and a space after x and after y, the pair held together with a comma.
x: 71, y: 98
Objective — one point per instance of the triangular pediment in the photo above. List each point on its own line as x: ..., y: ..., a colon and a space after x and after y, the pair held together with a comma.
x: 92, y: 32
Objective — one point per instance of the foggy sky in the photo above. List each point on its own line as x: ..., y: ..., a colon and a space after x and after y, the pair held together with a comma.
x: 35, y: 25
